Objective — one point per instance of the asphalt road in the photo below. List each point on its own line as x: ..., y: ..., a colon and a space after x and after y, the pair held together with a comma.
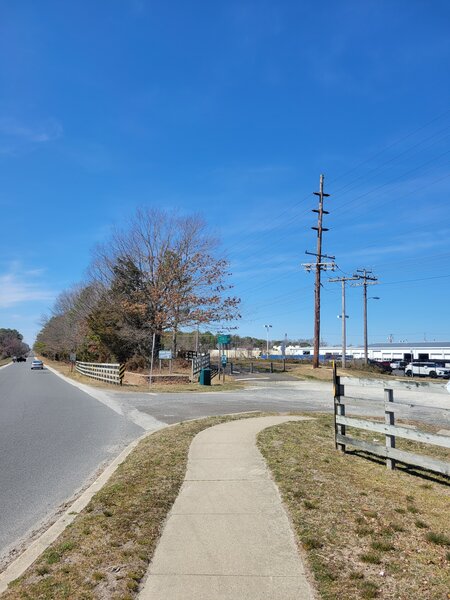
x: 265, y: 393
x: 53, y: 437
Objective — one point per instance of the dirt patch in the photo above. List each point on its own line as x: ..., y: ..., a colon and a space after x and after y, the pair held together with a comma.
x: 141, y: 379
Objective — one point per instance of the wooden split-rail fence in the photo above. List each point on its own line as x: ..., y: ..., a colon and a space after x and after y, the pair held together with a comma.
x: 199, y: 362
x: 389, y: 428
x: 109, y: 372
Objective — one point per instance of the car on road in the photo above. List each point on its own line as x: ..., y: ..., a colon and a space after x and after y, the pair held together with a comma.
x: 427, y: 369
x: 37, y: 364
x: 21, y: 359
x: 398, y: 364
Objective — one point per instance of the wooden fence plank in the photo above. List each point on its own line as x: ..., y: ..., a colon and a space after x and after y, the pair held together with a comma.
x: 108, y: 372
x: 397, y: 430
x: 409, y: 458
x: 419, y: 460
x: 398, y: 406
x: 199, y: 362
x: 412, y: 386
x: 362, y: 445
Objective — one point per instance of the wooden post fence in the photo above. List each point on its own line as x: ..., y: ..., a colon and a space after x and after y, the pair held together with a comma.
x: 389, y: 428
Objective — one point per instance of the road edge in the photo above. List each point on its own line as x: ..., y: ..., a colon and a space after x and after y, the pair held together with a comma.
x: 27, y: 558
x: 38, y: 546
x: 146, y: 422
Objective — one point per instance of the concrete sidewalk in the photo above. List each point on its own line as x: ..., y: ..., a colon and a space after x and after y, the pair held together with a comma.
x: 228, y: 536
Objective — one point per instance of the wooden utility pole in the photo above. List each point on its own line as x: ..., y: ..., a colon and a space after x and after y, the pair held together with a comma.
x: 367, y: 278
x: 319, y: 266
x: 343, y: 280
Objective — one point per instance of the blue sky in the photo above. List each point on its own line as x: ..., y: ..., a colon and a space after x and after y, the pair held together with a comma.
x: 233, y: 109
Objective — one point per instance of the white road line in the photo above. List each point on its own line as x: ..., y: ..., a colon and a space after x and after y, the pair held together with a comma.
x: 253, y: 379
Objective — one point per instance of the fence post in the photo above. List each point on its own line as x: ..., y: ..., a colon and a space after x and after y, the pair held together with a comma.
x: 121, y: 372
x: 389, y: 419
x: 271, y: 367
x: 284, y: 365
x: 231, y: 368
x: 339, y: 409
x: 251, y: 367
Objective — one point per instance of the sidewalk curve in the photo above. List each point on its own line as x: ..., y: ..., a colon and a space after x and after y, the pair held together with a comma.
x: 227, y: 536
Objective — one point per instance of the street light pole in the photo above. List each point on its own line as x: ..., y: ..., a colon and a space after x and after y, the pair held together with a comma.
x: 267, y: 330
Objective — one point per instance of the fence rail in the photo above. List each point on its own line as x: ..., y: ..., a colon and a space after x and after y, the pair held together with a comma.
x: 109, y: 372
x: 388, y: 428
x: 199, y: 362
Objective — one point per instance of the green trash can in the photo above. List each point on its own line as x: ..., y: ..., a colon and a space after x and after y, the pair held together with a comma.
x: 205, y: 377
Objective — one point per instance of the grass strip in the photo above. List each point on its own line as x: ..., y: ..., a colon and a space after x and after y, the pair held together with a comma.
x: 106, y: 551
x: 216, y: 385
x: 357, y: 521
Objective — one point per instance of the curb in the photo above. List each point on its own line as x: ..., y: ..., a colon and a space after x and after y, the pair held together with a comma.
x: 27, y: 558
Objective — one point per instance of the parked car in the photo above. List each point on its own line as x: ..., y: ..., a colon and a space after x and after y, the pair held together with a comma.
x: 383, y: 365
x: 398, y: 364
x: 37, y: 364
x: 426, y: 369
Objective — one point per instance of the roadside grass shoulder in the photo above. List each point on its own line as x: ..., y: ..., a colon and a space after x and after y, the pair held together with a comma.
x: 305, y: 371
x: 105, y: 552
x: 216, y: 386
x: 363, y: 538
x: 325, y: 373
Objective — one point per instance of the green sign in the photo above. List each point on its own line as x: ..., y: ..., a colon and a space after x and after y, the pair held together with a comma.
x: 224, y: 339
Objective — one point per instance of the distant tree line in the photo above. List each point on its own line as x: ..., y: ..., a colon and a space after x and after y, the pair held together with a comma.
x: 161, y: 274
x: 12, y: 344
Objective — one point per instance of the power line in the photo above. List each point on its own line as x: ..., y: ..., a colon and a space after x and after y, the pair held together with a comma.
x: 389, y: 146
x: 414, y: 280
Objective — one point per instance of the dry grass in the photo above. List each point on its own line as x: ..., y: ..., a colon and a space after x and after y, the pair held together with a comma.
x: 304, y: 370
x: 216, y: 385
x: 4, y: 361
x: 368, y: 532
x: 106, y: 551
x: 325, y: 372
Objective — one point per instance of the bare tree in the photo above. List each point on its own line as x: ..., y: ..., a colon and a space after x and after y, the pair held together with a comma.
x: 163, y: 272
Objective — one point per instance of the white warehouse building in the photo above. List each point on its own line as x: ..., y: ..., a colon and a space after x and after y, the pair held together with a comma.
x: 382, y: 352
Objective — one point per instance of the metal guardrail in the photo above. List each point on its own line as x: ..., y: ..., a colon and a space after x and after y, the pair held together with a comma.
x: 388, y: 428
x: 109, y: 372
